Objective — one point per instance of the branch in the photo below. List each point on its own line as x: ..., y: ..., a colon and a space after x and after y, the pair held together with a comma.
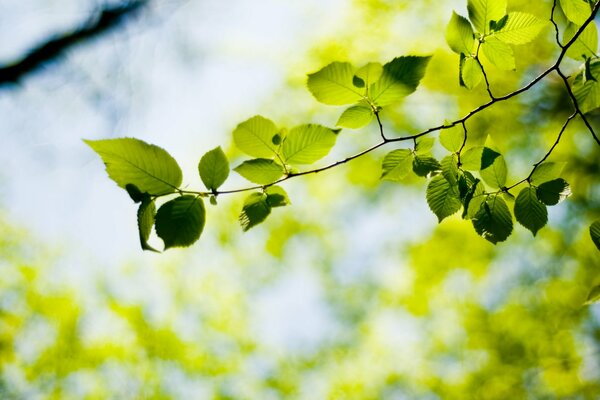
x: 109, y: 18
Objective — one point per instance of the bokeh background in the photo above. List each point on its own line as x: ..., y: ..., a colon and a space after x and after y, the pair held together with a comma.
x: 353, y: 292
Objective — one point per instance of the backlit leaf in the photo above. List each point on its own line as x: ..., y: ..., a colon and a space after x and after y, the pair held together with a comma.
x: 423, y: 165
x: 499, y: 53
x: 586, y: 44
x: 553, y: 192
x: 277, y: 197
x: 255, y: 137
x: 179, y: 222
x: 493, y: 220
x: 520, y: 28
x: 452, y: 138
x: 529, y: 211
x: 355, y: 117
x: 450, y: 168
x: 470, y: 72
x: 442, y: 197
x: 481, y: 12
x: 254, y: 211
x: 576, y: 11
x: 424, y: 145
x: 369, y: 73
x: 494, y: 169
x: 459, y: 34
x: 145, y: 219
x: 546, y: 171
x: 587, y: 91
x: 214, y: 168
x: 334, y: 84
x: 260, y: 170
x: 306, y: 144
x: 400, y: 77
x: 396, y: 165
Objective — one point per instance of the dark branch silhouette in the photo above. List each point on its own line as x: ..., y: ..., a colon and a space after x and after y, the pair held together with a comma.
x: 100, y: 23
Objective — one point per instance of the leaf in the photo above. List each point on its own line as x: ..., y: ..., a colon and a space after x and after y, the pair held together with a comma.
x: 459, y: 34
x: 400, y: 77
x: 470, y: 73
x: 587, y: 92
x: 449, y: 166
x: 442, y: 197
x: 179, y: 222
x: 546, y: 171
x: 576, y: 11
x: 493, y: 220
x: 260, y: 170
x: 397, y: 164
x: 334, y: 85
x: 493, y: 166
x: 145, y: 218
x: 254, y: 211
x: 369, y: 73
x: 424, y: 145
x: 255, y: 137
x: 132, y: 161
x: 499, y: 53
x: 355, y: 117
x: 593, y: 296
x: 214, y: 168
x: 520, y: 28
x: 595, y: 233
x: 135, y: 193
x: 277, y: 197
x: 481, y: 12
x: 471, y: 158
x: 306, y: 144
x: 452, y: 138
x: 553, y: 192
x: 424, y: 165
x: 473, y: 200
x: 529, y: 211
x: 586, y: 44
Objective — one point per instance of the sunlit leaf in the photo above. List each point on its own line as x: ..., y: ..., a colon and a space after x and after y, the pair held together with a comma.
x: 481, y: 12
x: 424, y: 145
x: 547, y: 171
x: 334, y: 84
x: 553, y: 192
x: 355, y: 117
x: 423, y: 165
x: 442, y: 197
x: 587, y: 91
x: 473, y: 200
x: 254, y: 211
x: 470, y: 72
x: 306, y: 144
x: 179, y: 222
x: 145, y: 219
x: 450, y: 168
x: 520, y: 28
x: 255, y: 137
x: 529, y: 211
x: 369, y: 73
x: 397, y: 164
x: 499, y: 53
x: 452, y: 138
x: 493, y: 168
x: 277, y: 197
x: 493, y: 220
x: 214, y: 168
x: 260, y: 170
x: 586, y: 44
x: 576, y: 11
x: 400, y: 77
x: 459, y: 34
x: 471, y: 158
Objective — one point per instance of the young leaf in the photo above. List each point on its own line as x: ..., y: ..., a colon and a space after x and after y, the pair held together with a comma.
x: 553, y: 192
x: 529, y: 211
x: 586, y: 44
x: 306, y: 144
x: 493, y: 168
x: 587, y: 91
x: 449, y: 165
x: 214, y: 168
x: 442, y: 197
x: 546, y: 171
x: 355, y: 117
x: 595, y: 233
x: 145, y: 219
x: 424, y: 145
x: 493, y: 220
x: 470, y: 73
x: 471, y: 158
x: 260, y: 170
x: 452, y: 138
x: 277, y: 197
x: 400, y: 77
x: 396, y: 165
x: 423, y: 165
x: 593, y: 296
x: 499, y: 53
x: 520, y: 28
x: 481, y: 12
x: 334, y: 84
x: 132, y: 161
x: 369, y: 73
x: 179, y: 222
x: 255, y: 137
x: 576, y: 11
x: 254, y: 211
x: 459, y: 34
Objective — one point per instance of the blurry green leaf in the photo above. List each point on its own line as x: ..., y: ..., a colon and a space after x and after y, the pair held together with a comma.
x: 306, y: 144
x: 499, y: 53
x: 494, y: 169
x: 595, y: 233
x: 131, y: 161
x: 450, y: 168
x: 254, y: 211
x: 424, y: 145
x: 586, y: 91
x: 529, y: 211
x: 214, y: 168
x: 459, y: 34
x: 520, y: 28
x: 593, y: 296
x: 334, y: 84
x: 277, y: 197
x: 260, y: 170
x: 135, y: 193
x: 470, y: 72
x: 576, y: 11
x: 400, y: 77
x: 255, y: 137
x: 553, y: 192
x: 179, y: 222
x: 481, y: 12
x: 213, y: 200
x: 355, y: 117
x: 546, y: 171
x: 442, y: 197
x: 145, y: 219
x: 396, y: 165
x: 471, y: 158
x: 493, y: 220
x: 424, y: 165
x: 452, y: 138
x: 586, y: 44
x: 369, y: 73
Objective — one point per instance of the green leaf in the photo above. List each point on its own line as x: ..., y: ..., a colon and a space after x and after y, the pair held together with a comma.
x: 586, y: 91
x: 471, y: 158
x: 520, y: 28
x: 442, y: 197
x: 595, y: 233
x: 449, y: 166
x: 145, y: 218
x: 400, y: 77
x: 576, y: 11
x: 529, y: 211
x: 397, y: 164
x: 481, y: 12
x: 499, y: 53
x: 493, y: 166
x: 553, y: 192
x: 459, y: 34
x: 260, y: 170
x: 179, y: 222
x: 424, y: 145
x: 254, y: 211
x: 132, y: 161
x: 452, y: 138
x: 214, y: 168
x: 473, y: 199
x: 470, y: 73
x: 355, y: 117
x: 255, y: 137
x: 277, y: 197
x: 593, y: 296
x: 135, y: 193
x: 334, y: 84
x: 369, y: 73
x: 586, y: 44
x: 423, y: 165
x: 493, y: 220
x: 306, y: 144
x: 546, y: 171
